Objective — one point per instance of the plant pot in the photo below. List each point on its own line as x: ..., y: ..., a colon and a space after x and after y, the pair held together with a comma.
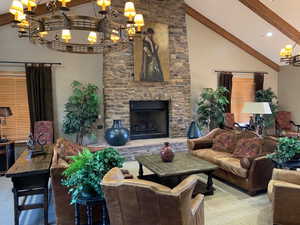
x: 194, y: 131
x: 117, y: 135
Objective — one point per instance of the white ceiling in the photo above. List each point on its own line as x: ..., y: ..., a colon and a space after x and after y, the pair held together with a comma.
x: 241, y: 22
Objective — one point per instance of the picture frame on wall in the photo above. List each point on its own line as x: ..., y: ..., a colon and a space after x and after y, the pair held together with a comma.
x: 151, y: 54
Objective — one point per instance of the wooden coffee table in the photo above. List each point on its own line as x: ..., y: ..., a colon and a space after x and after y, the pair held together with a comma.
x: 183, y: 164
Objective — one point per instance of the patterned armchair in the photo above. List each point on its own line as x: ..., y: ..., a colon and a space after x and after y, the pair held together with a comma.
x: 229, y: 122
x: 285, y: 126
x: 46, y: 128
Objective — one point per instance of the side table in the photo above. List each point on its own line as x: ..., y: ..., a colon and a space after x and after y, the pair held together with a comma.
x: 7, y: 156
x: 89, y: 203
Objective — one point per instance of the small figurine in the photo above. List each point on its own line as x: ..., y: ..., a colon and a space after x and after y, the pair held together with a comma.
x: 30, y: 142
x: 41, y: 142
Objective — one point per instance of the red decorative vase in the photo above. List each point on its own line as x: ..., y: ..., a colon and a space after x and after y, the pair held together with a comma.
x: 166, y: 153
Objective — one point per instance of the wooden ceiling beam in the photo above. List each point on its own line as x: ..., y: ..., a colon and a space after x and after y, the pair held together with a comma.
x: 230, y: 37
x: 272, y: 18
x: 7, y: 18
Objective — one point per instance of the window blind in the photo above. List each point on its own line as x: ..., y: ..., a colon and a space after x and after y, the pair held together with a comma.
x: 13, y: 94
x: 242, y: 91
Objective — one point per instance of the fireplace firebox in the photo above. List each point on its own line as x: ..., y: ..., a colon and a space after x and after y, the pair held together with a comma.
x: 149, y: 119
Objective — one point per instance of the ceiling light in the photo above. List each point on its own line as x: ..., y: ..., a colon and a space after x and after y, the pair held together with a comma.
x: 269, y: 34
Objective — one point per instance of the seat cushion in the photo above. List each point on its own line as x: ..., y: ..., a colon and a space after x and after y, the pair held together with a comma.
x: 225, y: 142
x: 211, y: 155
x: 248, y: 147
x: 233, y: 165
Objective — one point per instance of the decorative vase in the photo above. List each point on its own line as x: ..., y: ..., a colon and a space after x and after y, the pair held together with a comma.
x: 166, y: 153
x: 117, y: 135
x: 194, y: 131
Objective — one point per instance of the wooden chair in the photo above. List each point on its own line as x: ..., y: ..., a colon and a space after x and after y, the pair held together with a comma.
x: 285, y: 127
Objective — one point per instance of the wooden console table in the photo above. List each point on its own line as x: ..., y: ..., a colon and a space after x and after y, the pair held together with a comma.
x: 30, y: 176
x: 7, y: 156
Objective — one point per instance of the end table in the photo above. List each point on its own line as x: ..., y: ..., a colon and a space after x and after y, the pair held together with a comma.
x: 89, y: 203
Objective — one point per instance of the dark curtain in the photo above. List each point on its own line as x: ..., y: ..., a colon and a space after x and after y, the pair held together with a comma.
x: 258, y: 81
x: 39, y: 89
x: 225, y: 80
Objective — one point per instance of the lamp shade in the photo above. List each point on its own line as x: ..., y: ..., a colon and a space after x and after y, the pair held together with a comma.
x: 129, y: 10
x: 257, y: 108
x: 16, y: 8
x: 5, y: 112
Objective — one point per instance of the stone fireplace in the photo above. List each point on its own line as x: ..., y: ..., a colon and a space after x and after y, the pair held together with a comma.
x: 121, y: 91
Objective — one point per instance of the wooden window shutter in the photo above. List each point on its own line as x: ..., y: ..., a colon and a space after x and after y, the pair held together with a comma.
x: 13, y: 94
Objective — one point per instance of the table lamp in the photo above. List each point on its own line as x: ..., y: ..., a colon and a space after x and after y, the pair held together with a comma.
x: 258, y: 108
x: 4, y: 113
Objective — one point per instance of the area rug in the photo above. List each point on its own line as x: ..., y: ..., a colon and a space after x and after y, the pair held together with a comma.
x: 228, y: 206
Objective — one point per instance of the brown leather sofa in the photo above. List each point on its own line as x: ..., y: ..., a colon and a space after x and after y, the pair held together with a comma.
x: 141, y: 202
x: 63, y: 150
x: 284, y: 193
x: 251, y: 174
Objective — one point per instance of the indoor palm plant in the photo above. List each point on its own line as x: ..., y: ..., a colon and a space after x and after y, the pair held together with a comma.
x: 287, y: 149
x: 87, y: 169
x: 267, y: 95
x: 82, y: 111
x: 211, y: 107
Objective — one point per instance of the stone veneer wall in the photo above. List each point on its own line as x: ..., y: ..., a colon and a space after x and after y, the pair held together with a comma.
x: 120, y: 87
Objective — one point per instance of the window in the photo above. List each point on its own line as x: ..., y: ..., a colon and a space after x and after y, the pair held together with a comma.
x: 242, y: 91
x: 13, y: 93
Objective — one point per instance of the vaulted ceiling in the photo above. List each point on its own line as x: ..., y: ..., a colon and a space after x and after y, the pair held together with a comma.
x: 242, y: 22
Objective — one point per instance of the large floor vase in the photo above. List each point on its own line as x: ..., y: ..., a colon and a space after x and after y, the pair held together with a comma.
x: 117, y: 135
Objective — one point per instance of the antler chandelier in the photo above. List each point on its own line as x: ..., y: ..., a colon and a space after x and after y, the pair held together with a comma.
x: 66, y: 32
x: 287, y: 56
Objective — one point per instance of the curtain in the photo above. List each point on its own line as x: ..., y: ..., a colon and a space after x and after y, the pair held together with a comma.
x: 39, y: 89
x: 258, y: 81
x: 225, y: 80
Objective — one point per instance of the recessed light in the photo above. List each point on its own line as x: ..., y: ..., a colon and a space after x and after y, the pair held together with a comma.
x: 269, y: 34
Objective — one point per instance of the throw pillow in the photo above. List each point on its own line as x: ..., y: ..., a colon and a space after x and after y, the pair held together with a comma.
x: 225, y: 142
x: 248, y: 147
x: 65, y: 149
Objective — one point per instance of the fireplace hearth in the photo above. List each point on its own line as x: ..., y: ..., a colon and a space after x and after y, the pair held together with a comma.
x: 149, y: 119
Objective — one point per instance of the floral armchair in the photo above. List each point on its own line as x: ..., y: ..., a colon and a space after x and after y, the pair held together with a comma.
x: 45, y: 128
x: 285, y: 126
x: 229, y: 122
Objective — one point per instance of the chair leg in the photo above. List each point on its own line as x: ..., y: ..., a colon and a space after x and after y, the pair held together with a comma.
x: 46, y: 206
x: 16, y: 207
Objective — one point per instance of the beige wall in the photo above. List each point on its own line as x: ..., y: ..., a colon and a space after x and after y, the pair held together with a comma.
x: 209, y: 52
x: 84, y: 68
x: 289, y: 91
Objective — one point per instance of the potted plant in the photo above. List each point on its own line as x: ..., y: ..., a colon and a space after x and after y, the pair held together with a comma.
x: 211, y: 107
x: 82, y: 111
x: 267, y: 95
x: 287, y: 149
x: 84, y: 174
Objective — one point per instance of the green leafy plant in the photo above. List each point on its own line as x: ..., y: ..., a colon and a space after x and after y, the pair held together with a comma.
x: 287, y: 149
x: 84, y: 174
x: 211, y: 107
x: 82, y: 110
x: 267, y: 95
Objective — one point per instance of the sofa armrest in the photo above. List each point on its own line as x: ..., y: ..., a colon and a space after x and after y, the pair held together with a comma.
x: 289, y: 176
x: 286, y: 205
x: 260, y: 172
x: 205, y: 141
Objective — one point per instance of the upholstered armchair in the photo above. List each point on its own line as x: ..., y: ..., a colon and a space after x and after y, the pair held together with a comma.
x: 284, y: 193
x: 229, y: 122
x: 285, y: 126
x: 141, y: 202
x: 45, y: 128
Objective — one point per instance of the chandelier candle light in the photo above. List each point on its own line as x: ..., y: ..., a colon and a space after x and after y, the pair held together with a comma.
x: 105, y: 31
x: 286, y: 56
